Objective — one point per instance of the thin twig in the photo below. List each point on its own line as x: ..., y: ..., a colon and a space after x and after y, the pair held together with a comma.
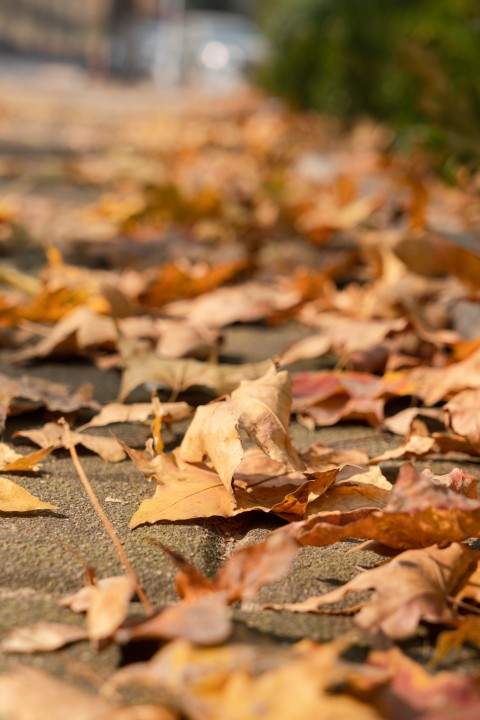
x: 103, y: 517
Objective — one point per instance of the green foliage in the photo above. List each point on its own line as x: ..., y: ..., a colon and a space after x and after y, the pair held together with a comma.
x: 412, y: 63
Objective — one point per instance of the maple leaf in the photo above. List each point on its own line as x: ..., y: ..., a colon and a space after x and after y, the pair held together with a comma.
x: 14, y: 498
x: 261, y: 408
x: 422, y: 509
x: 416, y: 585
x: 52, y: 435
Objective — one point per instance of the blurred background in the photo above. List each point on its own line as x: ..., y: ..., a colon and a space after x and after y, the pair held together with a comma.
x: 413, y: 64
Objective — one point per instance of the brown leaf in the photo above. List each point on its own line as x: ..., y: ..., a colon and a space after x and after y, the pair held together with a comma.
x: 414, y: 692
x: 14, y: 498
x: 108, y: 606
x: 42, y: 637
x: 260, y: 407
x: 53, y: 435
x: 29, y: 393
x: 421, y: 510
x: 205, y: 620
x: 463, y: 415
x: 11, y: 461
x: 138, y: 412
x: 144, y: 366
x: 235, y: 681
x: 31, y: 694
x: 434, y: 384
x: 248, y: 302
x: 416, y: 585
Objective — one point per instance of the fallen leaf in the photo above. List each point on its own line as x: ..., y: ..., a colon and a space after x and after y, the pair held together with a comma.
x: 204, y: 621
x: 463, y: 416
x: 144, y: 366
x: 468, y: 631
x: 31, y: 694
x: 261, y: 408
x: 53, y: 435
x: 11, y: 461
x: 420, y: 511
x: 14, y: 498
x: 416, y: 585
x: 138, y: 412
x: 42, y: 637
x: 248, y: 302
x: 29, y: 393
x: 235, y: 681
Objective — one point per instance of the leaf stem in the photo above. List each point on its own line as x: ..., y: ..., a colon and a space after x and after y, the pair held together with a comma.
x: 106, y: 522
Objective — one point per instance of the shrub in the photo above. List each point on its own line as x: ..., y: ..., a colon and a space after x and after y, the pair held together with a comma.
x: 412, y: 63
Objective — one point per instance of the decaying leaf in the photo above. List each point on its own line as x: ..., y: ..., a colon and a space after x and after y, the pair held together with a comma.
x: 416, y: 585
x: 52, y: 435
x: 421, y: 510
x: 42, y: 637
x: 463, y: 414
x: 468, y: 631
x: 14, y: 498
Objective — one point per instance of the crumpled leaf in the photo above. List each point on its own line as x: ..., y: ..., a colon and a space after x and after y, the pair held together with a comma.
x: 141, y: 366
x: 11, y: 461
x: 53, y: 435
x: 260, y: 407
x: 422, y: 509
x: 29, y: 393
x: 434, y: 384
x: 416, y: 585
x: 42, y: 637
x: 14, y: 498
x: 30, y: 694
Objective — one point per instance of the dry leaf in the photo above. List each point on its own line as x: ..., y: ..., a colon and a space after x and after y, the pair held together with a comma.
x: 30, y: 694
x: 421, y: 510
x: 463, y: 415
x: 29, y: 393
x: 260, y: 407
x: 249, y: 302
x: 42, y: 637
x: 11, y: 461
x: 141, y: 366
x: 53, y: 435
x: 14, y: 498
x: 416, y: 585
x: 138, y: 412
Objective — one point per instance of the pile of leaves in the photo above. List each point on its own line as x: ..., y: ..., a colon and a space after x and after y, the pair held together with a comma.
x: 257, y: 222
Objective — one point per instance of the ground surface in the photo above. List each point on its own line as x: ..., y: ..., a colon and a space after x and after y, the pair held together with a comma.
x: 38, y: 565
